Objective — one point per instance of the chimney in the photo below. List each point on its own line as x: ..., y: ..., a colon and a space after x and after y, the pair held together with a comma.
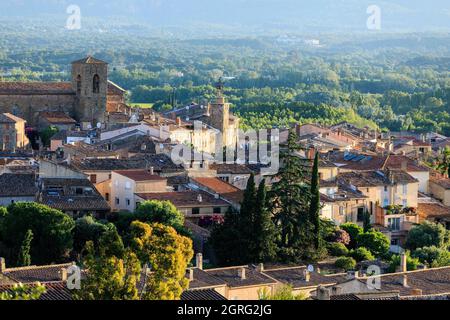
x: 179, y: 121
x: 416, y: 292
x: 306, y: 275
x: 405, y: 281
x: 191, y: 274
x: 403, y: 262
x: 337, y: 290
x: 63, y: 274
x: 151, y: 170
x: 260, y: 267
x: 311, y: 153
x: 323, y: 293
x: 199, y: 261
x: 241, y: 273
x: 352, y: 275
x: 2, y: 265
x: 200, y: 198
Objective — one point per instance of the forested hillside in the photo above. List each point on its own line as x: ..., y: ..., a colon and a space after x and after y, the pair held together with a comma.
x: 391, y: 80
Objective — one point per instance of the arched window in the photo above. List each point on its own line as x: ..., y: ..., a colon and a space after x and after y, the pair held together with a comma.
x: 79, y: 84
x: 96, y: 84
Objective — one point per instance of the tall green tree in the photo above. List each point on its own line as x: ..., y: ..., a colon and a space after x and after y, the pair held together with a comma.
x: 24, y: 258
x: 314, y: 208
x: 264, y: 237
x: 290, y: 201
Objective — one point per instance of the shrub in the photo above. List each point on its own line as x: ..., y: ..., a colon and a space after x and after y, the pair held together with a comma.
x: 375, y: 241
x: 341, y: 236
x: 361, y: 254
x: 411, y: 263
x: 337, y: 249
x: 428, y: 234
x: 433, y: 256
x: 354, y: 231
x: 346, y: 263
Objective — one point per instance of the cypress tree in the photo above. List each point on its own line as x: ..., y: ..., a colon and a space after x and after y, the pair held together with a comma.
x: 264, y: 229
x: 24, y: 258
x: 314, y: 209
x: 289, y: 201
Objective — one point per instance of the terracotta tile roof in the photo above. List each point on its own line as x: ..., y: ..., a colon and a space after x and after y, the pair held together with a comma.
x: 432, y: 210
x: 17, y: 184
x: 234, y: 168
x: 231, y: 277
x: 356, y: 161
x: 54, y: 291
x: 160, y: 163
x: 295, y: 277
x: 60, y: 193
x: 185, y: 198
x: 36, y: 88
x: 203, y: 279
x: 375, y: 178
x: 9, y: 118
x: 48, y: 273
x: 366, y: 296
x: 47, y: 88
x: 396, y: 161
x: 139, y: 175
x: 430, y: 281
x: 221, y: 187
x: 206, y: 294
x: 57, y: 117
x: 89, y: 60
x: 444, y: 183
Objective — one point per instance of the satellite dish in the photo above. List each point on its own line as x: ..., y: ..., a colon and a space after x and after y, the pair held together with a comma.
x: 310, y: 268
x: 99, y: 125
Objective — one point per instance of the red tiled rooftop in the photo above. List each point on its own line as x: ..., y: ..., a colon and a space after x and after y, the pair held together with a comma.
x: 139, y: 175
x: 185, y: 198
x: 57, y: 117
x: 221, y: 187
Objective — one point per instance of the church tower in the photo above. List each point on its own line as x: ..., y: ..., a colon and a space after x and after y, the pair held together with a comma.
x: 90, y: 82
x: 219, y: 113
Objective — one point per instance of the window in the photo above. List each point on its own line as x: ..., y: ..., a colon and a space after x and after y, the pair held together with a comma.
x: 405, y: 203
x: 385, y: 189
x: 217, y: 210
x: 128, y: 201
x: 405, y: 189
x: 394, y: 242
x: 79, y: 191
x: 360, y: 215
x: 93, y: 178
x: 107, y: 196
x: 195, y: 210
x: 96, y: 84
x: 117, y: 201
x: 341, y: 211
x: 79, y: 84
x: 394, y: 224
x: 385, y: 202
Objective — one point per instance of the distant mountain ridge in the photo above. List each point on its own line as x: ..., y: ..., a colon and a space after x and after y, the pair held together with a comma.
x: 320, y: 15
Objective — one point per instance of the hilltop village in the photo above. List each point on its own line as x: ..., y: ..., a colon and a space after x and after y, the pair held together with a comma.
x: 79, y: 148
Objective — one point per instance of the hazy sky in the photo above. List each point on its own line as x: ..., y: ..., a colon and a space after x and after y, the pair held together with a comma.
x: 323, y: 15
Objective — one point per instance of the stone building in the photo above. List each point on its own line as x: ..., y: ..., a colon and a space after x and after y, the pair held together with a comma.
x: 88, y: 98
x: 12, y: 133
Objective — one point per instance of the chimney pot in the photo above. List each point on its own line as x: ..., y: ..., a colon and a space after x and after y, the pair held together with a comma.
x: 191, y: 274
x: 403, y: 262
x: 63, y: 274
x: 152, y: 171
x: 260, y: 267
x: 2, y: 265
x: 199, y: 261
x: 417, y: 292
x: 405, y: 281
x: 306, y: 275
x: 241, y: 273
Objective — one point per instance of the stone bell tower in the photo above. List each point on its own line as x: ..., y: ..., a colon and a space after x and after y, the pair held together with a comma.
x: 90, y: 82
x: 219, y: 112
